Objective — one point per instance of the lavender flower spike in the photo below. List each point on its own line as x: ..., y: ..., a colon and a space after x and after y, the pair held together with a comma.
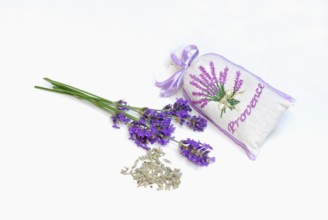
x: 180, y: 110
x: 122, y: 105
x: 213, y: 73
x: 140, y: 134
x: 205, y: 76
x: 159, y: 125
x: 223, y: 76
x: 119, y: 117
x: 197, y: 123
x: 238, y: 82
x: 196, y: 152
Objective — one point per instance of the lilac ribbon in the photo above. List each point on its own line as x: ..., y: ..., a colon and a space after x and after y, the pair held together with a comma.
x: 172, y: 84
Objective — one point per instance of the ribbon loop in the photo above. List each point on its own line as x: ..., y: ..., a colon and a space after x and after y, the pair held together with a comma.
x: 171, y: 85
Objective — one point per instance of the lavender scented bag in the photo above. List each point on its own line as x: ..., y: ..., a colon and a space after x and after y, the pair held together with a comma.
x: 239, y: 103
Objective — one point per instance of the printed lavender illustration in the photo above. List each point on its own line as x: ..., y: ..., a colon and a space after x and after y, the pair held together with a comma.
x: 211, y: 88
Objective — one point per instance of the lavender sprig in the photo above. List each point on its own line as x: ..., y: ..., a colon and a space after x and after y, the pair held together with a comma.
x: 196, y: 152
x: 146, y: 126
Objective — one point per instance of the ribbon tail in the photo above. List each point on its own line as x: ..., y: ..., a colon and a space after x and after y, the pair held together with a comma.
x: 171, y: 85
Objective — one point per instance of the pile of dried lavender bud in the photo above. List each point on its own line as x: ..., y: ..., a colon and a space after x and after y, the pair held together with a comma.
x: 153, y: 171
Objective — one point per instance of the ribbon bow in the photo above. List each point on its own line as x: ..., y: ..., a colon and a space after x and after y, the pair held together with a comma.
x: 172, y: 84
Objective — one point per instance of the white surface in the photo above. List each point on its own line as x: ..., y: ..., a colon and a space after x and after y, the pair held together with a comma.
x: 60, y: 158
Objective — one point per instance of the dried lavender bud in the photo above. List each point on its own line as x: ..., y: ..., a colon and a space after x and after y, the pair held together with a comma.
x: 152, y: 171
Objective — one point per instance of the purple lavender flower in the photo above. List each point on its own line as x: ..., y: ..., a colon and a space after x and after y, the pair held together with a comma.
x: 119, y: 117
x: 196, y: 152
x: 160, y: 126
x: 151, y: 115
x: 121, y: 104
x: 238, y: 82
x: 162, y: 132
x: 197, y: 123
x: 140, y: 134
x: 223, y: 76
x: 180, y: 109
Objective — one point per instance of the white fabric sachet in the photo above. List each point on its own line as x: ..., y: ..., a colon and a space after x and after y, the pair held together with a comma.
x: 237, y: 102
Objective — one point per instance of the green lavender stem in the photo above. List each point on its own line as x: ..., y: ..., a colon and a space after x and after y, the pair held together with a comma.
x: 80, y: 91
x: 83, y: 96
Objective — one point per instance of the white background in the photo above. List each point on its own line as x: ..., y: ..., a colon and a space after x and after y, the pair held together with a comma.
x: 60, y: 158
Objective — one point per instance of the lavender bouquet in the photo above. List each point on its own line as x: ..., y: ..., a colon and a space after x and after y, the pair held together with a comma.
x: 147, y: 126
